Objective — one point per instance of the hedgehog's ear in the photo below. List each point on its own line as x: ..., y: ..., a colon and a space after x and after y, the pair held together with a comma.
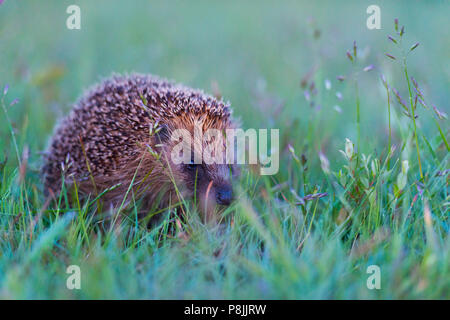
x: 163, y: 133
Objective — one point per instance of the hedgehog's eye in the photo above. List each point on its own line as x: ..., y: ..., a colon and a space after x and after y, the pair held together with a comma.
x: 191, y: 166
x: 195, y: 170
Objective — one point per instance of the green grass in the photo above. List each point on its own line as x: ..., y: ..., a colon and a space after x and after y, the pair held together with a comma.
x: 278, y: 242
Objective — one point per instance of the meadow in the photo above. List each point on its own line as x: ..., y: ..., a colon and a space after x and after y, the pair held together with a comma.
x: 364, y: 134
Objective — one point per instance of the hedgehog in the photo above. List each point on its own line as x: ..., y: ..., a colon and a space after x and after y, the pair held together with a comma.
x: 117, y: 142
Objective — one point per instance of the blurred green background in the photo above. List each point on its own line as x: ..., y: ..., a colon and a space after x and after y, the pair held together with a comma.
x: 254, y: 54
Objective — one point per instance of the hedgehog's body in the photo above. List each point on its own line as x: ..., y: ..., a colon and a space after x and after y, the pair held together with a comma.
x: 107, y: 141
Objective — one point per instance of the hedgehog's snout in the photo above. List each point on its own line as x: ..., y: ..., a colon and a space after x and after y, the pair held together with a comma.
x: 224, y: 194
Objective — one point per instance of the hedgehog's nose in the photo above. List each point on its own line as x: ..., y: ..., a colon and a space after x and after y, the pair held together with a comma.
x: 224, y: 195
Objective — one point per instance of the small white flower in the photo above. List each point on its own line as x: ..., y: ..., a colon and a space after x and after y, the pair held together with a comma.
x: 325, y: 164
x: 307, y: 95
x: 402, y: 177
x: 405, y: 166
x: 291, y: 148
x: 374, y: 167
x: 348, y: 148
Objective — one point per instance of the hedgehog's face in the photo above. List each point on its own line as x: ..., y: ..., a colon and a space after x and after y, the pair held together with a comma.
x: 210, y: 182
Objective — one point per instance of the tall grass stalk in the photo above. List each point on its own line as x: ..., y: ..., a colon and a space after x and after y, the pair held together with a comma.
x: 358, y: 123
x: 389, y: 124
x: 413, y: 116
x: 385, y: 84
x: 11, y: 130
